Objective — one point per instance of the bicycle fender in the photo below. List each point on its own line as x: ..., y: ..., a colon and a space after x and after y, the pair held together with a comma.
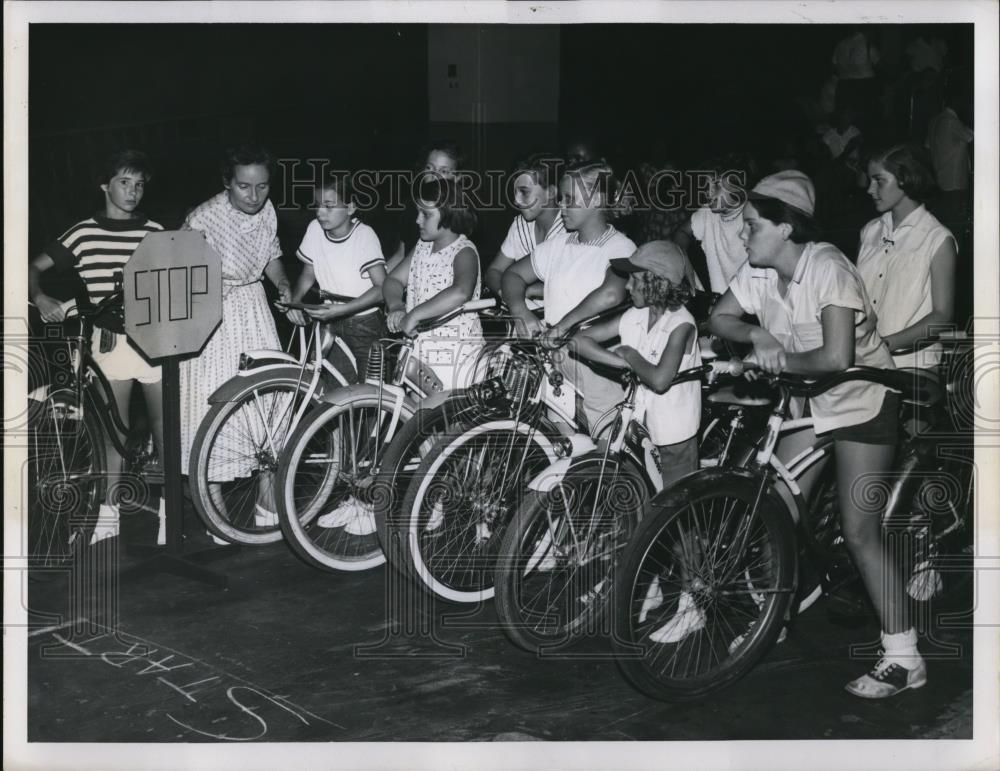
x: 343, y: 396
x: 678, y: 493
x: 228, y: 390
x: 548, y: 478
x: 264, y: 354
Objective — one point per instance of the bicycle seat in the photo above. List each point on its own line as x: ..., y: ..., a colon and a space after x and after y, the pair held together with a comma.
x: 726, y: 395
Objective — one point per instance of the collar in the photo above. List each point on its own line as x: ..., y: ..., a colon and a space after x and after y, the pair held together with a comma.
x: 909, y: 221
x: 136, y: 220
x: 800, y: 266
x: 354, y: 226
x: 601, y: 240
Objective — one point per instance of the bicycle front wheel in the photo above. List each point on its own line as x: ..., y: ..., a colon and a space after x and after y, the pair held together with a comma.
x: 460, y: 501
x: 66, y: 479
x: 703, y: 587
x: 554, y: 574
x: 325, y: 482
x: 235, y: 455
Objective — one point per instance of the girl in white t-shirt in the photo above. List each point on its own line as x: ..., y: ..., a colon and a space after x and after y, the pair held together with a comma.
x: 342, y: 255
x: 441, y: 274
x: 658, y: 339
x: 572, y: 268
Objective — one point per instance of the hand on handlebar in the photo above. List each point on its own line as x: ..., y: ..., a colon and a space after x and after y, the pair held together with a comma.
x: 51, y: 310
x: 408, y: 325
x: 528, y: 325
x: 769, y: 354
x: 394, y: 321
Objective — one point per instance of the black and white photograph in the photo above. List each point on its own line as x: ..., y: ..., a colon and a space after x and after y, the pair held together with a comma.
x: 501, y: 385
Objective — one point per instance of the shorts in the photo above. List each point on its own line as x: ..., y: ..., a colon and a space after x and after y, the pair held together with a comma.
x: 882, y: 429
x: 123, y: 361
x: 678, y: 459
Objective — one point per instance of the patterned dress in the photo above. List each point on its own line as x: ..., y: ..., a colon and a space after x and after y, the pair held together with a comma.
x: 449, y: 350
x: 246, y: 244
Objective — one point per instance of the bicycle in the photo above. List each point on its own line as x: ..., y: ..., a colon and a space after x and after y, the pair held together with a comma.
x: 555, y: 565
x: 237, y: 446
x: 325, y: 485
x: 447, y: 531
x: 706, y: 583
x: 67, y: 426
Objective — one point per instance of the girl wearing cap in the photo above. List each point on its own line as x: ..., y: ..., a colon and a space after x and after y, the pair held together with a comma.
x: 906, y: 256
x: 659, y: 339
x: 812, y: 303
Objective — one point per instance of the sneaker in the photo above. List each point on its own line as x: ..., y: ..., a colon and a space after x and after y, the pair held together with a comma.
x: 340, y: 516
x: 738, y: 640
x: 887, y: 679
x: 107, y: 524
x: 925, y: 582
x: 688, y: 619
x: 653, y: 599
x: 264, y: 518
x: 363, y: 522
x: 437, y: 517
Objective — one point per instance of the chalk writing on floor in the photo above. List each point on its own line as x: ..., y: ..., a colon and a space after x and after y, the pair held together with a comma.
x: 219, y: 696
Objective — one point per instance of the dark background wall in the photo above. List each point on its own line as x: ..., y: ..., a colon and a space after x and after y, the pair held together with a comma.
x: 361, y: 96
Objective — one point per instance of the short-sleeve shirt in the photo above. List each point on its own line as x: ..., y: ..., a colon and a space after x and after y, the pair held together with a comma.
x: 674, y: 415
x: 823, y: 276
x: 895, y: 265
x: 720, y: 240
x: 571, y: 270
x: 342, y: 265
x: 98, y: 248
x: 521, y: 237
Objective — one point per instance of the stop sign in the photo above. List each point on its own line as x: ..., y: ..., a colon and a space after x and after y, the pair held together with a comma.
x: 173, y: 293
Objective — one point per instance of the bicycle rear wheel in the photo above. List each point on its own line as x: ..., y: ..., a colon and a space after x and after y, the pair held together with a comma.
x: 460, y: 501
x: 66, y: 479
x: 325, y: 483
x: 554, y: 573
x: 235, y: 455
x: 703, y: 587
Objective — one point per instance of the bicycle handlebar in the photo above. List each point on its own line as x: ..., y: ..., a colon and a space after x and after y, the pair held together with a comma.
x: 469, y: 307
x: 949, y: 338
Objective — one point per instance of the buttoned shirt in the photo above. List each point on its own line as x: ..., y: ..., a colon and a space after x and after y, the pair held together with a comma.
x: 823, y: 277
x: 895, y: 265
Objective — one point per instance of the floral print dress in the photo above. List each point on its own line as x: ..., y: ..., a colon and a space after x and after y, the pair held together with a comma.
x: 450, y: 350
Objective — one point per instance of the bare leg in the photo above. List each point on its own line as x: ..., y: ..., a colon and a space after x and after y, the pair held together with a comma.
x: 121, y: 392
x: 861, y: 470
x: 791, y: 445
x: 153, y: 393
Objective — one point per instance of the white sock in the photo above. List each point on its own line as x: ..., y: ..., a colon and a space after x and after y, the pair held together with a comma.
x: 901, y: 648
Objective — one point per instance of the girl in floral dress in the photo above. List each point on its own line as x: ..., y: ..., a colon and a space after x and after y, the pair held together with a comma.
x: 441, y: 274
x: 241, y: 225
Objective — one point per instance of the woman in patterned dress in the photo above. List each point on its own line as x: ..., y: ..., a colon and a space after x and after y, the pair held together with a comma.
x: 441, y: 274
x: 241, y: 225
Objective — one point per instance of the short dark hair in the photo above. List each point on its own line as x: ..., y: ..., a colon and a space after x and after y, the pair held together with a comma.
x: 912, y: 167
x: 804, y: 227
x: 450, y: 199
x: 249, y: 154
x: 340, y: 183
x: 126, y: 160
x: 599, y: 177
x: 545, y: 168
x: 449, y: 147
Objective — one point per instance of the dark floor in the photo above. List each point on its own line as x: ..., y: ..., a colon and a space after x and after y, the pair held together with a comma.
x: 288, y: 653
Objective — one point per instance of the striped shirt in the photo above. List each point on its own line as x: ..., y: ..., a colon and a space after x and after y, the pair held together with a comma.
x: 521, y: 239
x: 98, y: 248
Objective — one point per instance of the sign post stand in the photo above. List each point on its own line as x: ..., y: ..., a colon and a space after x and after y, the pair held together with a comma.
x: 173, y: 303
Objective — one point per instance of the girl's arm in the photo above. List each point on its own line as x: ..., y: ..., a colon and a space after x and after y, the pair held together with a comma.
x: 466, y: 268
x: 275, y: 271
x: 514, y: 286
x: 393, y: 290
x: 727, y: 322
x: 588, y: 343
x: 50, y: 308
x: 942, y: 299
x: 837, y: 351
x: 607, y: 295
x: 658, y: 377
x: 302, y: 285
